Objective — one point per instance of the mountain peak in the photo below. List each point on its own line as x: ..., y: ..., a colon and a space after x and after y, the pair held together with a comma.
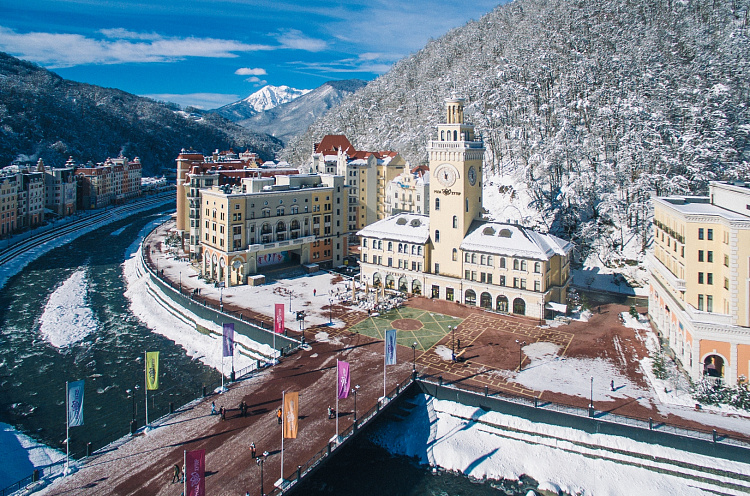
x: 270, y: 96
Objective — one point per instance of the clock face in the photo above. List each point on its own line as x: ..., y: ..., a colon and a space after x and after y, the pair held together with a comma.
x: 446, y: 175
x: 472, y: 175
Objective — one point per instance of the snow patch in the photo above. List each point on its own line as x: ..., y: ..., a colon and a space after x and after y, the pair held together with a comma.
x: 67, y: 319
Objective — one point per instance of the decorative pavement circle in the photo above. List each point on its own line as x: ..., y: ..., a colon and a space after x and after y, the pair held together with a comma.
x: 407, y: 324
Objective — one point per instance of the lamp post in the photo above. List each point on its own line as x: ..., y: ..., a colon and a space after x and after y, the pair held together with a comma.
x: 414, y: 358
x: 330, y: 311
x: 521, y: 344
x: 221, y: 297
x: 260, y: 460
x: 180, y: 282
x: 591, y: 398
x: 453, y: 348
x: 354, y: 391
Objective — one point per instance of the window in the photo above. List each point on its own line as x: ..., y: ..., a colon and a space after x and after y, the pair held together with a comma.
x: 364, y: 243
x: 710, y: 256
x: 537, y: 268
x: 726, y: 283
x: 437, y: 236
x: 710, y: 278
x: 502, y: 280
x: 437, y: 203
x: 455, y: 254
x: 709, y: 303
x: 700, y: 255
x: 473, y: 258
x: 700, y: 277
x: 726, y: 260
x: 390, y: 262
x: 516, y: 264
x: 364, y: 257
x: 537, y: 286
x: 502, y: 262
x: 700, y: 302
x: 390, y: 246
x: 515, y: 282
x: 437, y: 269
x: 455, y: 222
x: 523, y: 283
x: 710, y: 234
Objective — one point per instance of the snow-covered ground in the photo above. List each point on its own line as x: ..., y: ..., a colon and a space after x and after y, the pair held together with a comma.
x: 67, y: 318
x: 491, y: 445
x: 21, y: 455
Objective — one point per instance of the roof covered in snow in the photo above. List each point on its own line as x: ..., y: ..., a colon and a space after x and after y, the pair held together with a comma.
x: 405, y: 227
x: 513, y: 241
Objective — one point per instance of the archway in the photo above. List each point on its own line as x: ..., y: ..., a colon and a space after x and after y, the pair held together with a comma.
x: 376, y: 279
x: 416, y: 287
x: 470, y: 297
x: 519, y: 306
x: 713, y: 366
x: 502, y: 304
x: 485, y: 301
x: 403, y: 284
x: 389, y: 281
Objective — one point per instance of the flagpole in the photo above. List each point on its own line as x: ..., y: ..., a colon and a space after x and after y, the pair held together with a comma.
x: 184, y: 475
x: 385, y: 356
x: 67, y: 430
x: 283, y: 414
x: 222, y: 372
x: 145, y: 385
x: 337, y: 401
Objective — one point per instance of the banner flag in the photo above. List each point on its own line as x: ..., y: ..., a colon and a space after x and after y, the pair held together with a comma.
x: 390, y: 347
x: 278, y: 318
x: 195, y: 473
x: 343, y: 375
x: 291, y: 415
x: 152, y: 370
x: 75, y: 403
x: 228, y: 340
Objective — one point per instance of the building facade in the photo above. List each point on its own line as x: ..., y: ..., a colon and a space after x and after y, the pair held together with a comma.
x: 409, y: 192
x: 452, y: 254
x: 699, y: 294
x: 114, y: 181
x: 9, y: 183
x: 265, y: 223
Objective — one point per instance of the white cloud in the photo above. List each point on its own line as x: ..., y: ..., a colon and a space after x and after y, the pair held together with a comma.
x: 377, y: 63
x: 247, y: 71
x: 67, y: 50
x: 197, y: 100
x: 256, y: 80
x: 295, y: 39
x: 122, y: 33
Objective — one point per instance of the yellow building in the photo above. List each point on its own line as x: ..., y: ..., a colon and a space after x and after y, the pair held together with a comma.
x: 699, y: 296
x: 266, y: 223
x: 453, y: 254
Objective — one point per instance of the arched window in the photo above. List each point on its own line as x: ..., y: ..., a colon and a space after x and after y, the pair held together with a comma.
x: 484, y: 260
x: 364, y: 242
x: 455, y: 135
x: 523, y: 264
x: 473, y: 258
x: 403, y: 285
x: 489, y: 260
x: 400, y: 248
x: 537, y: 267
x: 455, y: 222
x: 502, y: 262
x: 437, y: 203
x: 515, y: 264
x: 470, y: 297
x: 390, y: 246
x: 413, y: 249
x: 502, y: 304
x: 437, y: 236
x: 519, y: 306
x: 467, y: 257
x: 485, y: 301
x: 419, y: 250
x: 455, y: 254
x: 442, y: 135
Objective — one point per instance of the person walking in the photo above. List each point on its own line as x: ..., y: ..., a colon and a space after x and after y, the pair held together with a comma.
x: 176, y: 476
x: 213, y: 408
x: 222, y: 413
x: 612, y: 385
x: 330, y: 412
x: 252, y: 450
x: 278, y: 415
x: 315, y: 292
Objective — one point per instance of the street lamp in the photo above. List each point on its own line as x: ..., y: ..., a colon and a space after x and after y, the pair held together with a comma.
x: 414, y: 357
x: 521, y: 344
x: 453, y: 342
x: 180, y: 282
x: 354, y: 390
x: 591, y: 398
x: 260, y: 460
x: 330, y: 311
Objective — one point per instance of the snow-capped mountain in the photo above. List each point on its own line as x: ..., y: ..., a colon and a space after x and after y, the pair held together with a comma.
x: 264, y: 99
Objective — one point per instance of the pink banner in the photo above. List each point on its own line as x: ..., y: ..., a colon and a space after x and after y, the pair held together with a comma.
x: 343, y: 376
x: 195, y: 473
x: 278, y: 318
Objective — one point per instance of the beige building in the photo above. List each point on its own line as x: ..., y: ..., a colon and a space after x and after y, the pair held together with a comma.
x: 699, y: 295
x: 409, y: 192
x: 9, y: 183
x: 266, y: 223
x: 454, y: 255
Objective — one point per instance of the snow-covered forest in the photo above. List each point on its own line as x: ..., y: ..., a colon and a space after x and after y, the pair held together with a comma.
x: 595, y: 104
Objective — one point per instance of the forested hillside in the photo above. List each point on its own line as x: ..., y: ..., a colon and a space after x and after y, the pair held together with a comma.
x: 44, y: 115
x: 594, y: 104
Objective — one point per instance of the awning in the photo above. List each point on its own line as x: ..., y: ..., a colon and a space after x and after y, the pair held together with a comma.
x: 557, y: 307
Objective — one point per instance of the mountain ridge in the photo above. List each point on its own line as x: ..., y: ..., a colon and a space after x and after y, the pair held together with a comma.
x: 264, y: 99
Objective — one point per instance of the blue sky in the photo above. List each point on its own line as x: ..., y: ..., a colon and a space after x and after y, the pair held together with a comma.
x: 210, y: 53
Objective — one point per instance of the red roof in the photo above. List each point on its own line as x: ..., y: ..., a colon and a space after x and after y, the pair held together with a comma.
x: 331, y: 143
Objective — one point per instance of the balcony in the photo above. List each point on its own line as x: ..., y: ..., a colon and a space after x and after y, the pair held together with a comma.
x: 281, y: 244
x: 708, y: 317
x: 657, y: 267
x: 456, y: 145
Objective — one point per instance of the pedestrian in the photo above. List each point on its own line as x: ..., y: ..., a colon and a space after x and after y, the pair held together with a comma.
x: 176, y: 476
x: 330, y: 412
x: 278, y: 415
x: 458, y: 344
x: 612, y: 385
x: 223, y: 413
x: 315, y: 292
x: 213, y: 408
x: 252, y: 450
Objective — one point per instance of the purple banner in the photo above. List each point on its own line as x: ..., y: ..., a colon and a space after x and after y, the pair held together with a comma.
x: 390, y: 347
x: 228, y: 340
x: 343, y: 379
x: 195, y: 473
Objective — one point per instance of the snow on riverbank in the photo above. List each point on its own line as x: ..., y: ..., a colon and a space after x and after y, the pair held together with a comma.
x: 67, y: 319
x: 492, y: 445
x: 204, y: 347
x: 21, y: 455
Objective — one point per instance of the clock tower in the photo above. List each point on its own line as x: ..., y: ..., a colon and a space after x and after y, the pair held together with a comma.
x: 456, y: 159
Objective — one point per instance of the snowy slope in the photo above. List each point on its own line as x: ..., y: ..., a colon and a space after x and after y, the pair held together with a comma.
x: 264, y: 99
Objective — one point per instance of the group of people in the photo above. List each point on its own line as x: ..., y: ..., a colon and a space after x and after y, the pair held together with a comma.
x: 223, y: 411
